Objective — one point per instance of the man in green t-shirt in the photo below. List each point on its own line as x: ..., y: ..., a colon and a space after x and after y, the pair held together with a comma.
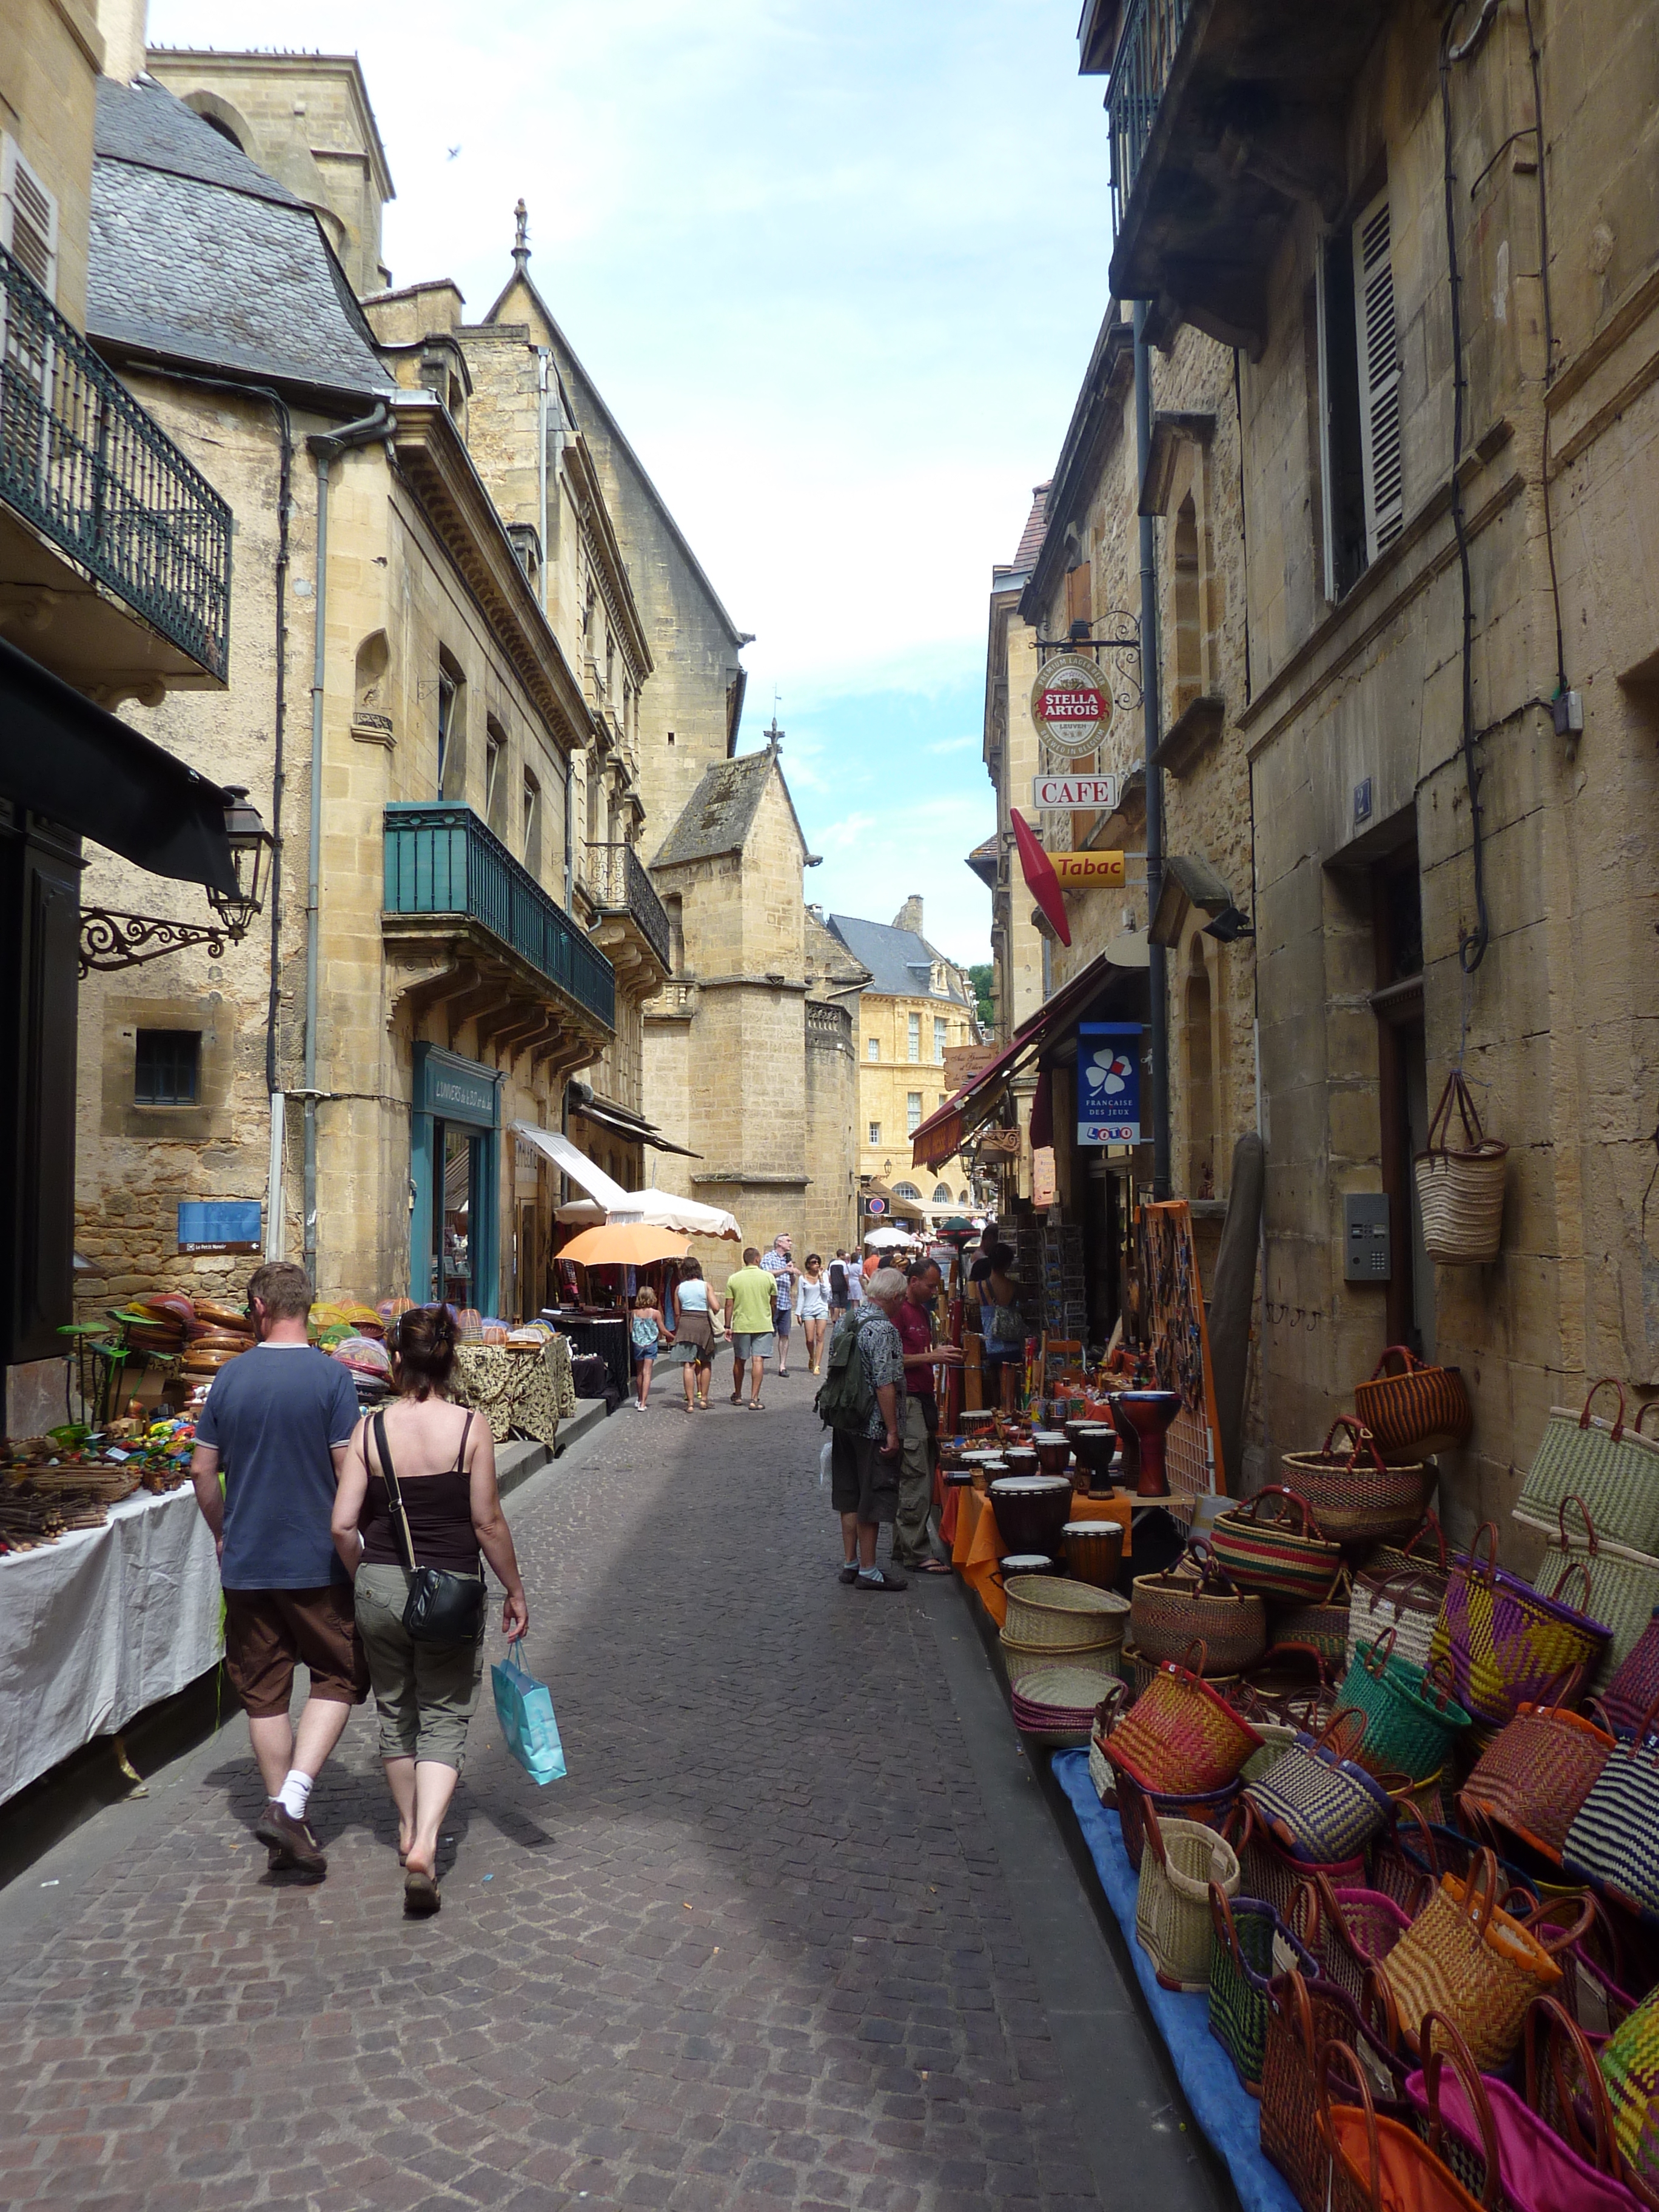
x: 749, y: 1296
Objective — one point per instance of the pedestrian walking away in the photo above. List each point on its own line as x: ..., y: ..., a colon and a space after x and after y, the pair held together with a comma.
x: 838, y: 1291
x: 812, y: 1308
x: 418, y: 1492
x: 694, y: 1331
x: 780, y: 1265
x: 278, y: 1422
x: 749, y: 1320
x: 914, y: 1321
x: 862, y: 1400
x: 646, y: 1330
x: 1002, y: 1326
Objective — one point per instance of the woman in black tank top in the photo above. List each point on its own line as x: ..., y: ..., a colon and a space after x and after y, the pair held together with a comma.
x: 444, y: 1459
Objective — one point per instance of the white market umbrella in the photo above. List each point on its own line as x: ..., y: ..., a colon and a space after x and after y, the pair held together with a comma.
x: 586, y: 1211
x: 888, y: 1240
x: 662, y: 1209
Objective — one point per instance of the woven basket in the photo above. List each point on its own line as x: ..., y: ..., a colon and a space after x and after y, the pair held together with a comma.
x: 1167, y: 1611
x: 1303, y: 2018
x: 1317, y: 1801
x: 1138, y: 1671
x: 1506, y: 1643
x: 1181, y: 1861
x: 1179, y: 1736
x: 1047, y: 1614
x: 1534, y: 1776
x: 1252, y: 1944
x: 1325, y: 1625
x: 1629, y: 2063
x: 1411, y: 1719
x: 1212, y: 1808
x: 1353, y: 1930
x: 1614, y: 1468
x: 1395, y: 1591
x: 1355, y: 1497
x: 1285, y: 1556
x: 1460, y: 1190
x: 1271, y: 1871
x: 1624, y: 1586
x: 1421, y: 1410
x: 1056, y: 1705
x: 1020, y: 1659
x: 1463, y: 1956
x: 1291, y: 1683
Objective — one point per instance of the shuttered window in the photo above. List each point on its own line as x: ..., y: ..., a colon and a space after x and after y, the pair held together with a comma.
x: 1379, y: 378
x: 28, y: 219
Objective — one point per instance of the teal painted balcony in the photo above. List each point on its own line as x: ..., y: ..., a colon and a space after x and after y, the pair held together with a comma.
x: 448, y: 875
x: 94, y: 478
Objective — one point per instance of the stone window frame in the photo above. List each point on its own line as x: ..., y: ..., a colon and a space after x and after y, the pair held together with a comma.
x: 210, y: 1119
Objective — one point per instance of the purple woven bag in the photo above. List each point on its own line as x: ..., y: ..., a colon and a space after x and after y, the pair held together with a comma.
x: 1634, y: 1684
x: 1505, y: 1643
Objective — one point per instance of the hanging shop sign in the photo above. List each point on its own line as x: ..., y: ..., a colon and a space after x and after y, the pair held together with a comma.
x: 1088, y: 871
x: 966, y: 1063
x: 1003, y: 1143
x: 1041, y: 880
x: 220, y: 1224
x: 1070, y: 706
x: 1042, y: 1177
x: 1108, y: 1083
x: 456, y: 1090
x: 1103, y: 792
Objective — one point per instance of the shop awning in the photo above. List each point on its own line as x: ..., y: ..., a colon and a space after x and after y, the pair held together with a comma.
x: 576, y: 1164
x: 658, y: 1209
x: 69, y: 760
x: 905, y: 1209
x: 633, y: 1127
x: 944, y: 1133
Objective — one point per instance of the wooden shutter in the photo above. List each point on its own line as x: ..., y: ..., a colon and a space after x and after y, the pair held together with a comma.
x: 1379, y: 377
x: 28, y: 219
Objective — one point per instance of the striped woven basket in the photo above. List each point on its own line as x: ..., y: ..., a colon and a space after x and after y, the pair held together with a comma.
x: 1045, y: 1611
x: 1196, y: 1598
x: 1355, y: 1496
x: 1283, y: 1554
x: 1460, y: 1190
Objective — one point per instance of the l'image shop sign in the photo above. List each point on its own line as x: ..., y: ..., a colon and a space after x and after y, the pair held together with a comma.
x: 1108, y: 1083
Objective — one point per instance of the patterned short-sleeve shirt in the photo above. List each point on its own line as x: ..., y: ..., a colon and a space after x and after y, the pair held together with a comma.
x: 882, y: 1355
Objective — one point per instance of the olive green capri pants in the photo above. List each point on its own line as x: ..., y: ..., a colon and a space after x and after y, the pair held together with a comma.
x: 425, y: 1693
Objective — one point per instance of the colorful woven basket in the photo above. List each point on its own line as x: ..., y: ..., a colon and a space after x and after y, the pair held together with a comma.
x: 1507, y: 1644
x: 1418, y: 1411
x: 1167, y: 1611
x: 1356, y: 1498
x: 1353, y: 1929
x: 1055, y: 1704
x: 1533, y: 1778
x: 1179, y: 1738
x: 1629, y: 2063
x: 1180, y: 1865
x: 1614, y: 1468
x: 1317, y: 1800
x: 1210, y: 1809
x: 1325, y: 1625
x: 1635, y: 1682
x: 1303, y: 2016
x: 1466, y: 1958
x: 1623, y: 1585
x: 1613, y: 1840
x: 1252, y: 1945
x: 1283, y: 1555
x: 1412, y: 1719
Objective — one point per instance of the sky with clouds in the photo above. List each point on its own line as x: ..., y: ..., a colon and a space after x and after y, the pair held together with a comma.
x: 837, y: 271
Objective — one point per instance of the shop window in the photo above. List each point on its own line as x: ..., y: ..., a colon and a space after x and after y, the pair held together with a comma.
x: 906, y: 1190
x: 873, y: 1048
x: 452, y: 728
x: 1200, y: 1080
x: 494, y: 772
x: 942, y: 1193
x: 167, y: 1067
x: 912, y: 1112
x: 914, y: 1027
x: 1362, y: 489
x: 875, y: 1132
x: 941, y: 1038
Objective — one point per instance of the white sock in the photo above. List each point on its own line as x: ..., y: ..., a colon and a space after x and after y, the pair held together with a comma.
x: 295, y: 1794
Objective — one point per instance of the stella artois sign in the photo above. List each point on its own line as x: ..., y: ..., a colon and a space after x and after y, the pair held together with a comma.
x: 1070, y: 706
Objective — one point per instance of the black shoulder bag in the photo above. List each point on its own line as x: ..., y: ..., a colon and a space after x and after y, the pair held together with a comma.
x: 443, y: 1607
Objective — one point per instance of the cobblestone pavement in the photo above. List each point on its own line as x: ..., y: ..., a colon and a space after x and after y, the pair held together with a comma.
x: 755, y: 1951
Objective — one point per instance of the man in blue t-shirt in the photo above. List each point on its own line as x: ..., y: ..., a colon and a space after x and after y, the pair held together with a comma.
x: 280, y: 1418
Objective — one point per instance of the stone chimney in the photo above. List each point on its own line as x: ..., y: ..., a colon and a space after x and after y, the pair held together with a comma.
x: 909, y: 914
x: 121, y: 26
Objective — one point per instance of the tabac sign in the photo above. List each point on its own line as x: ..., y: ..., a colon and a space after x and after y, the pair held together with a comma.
x: 1070, y: 706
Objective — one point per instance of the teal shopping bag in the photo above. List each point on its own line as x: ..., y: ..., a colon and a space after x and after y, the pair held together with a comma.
x: 524, y: 1707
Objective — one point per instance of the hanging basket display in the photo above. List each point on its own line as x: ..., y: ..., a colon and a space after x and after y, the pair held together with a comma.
x: 1460, y: 1188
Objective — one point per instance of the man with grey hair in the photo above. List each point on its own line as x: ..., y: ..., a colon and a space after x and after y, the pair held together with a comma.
x: 865, y: 1466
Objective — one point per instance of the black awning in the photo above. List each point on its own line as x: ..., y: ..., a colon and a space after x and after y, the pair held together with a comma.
x: 65, y: 758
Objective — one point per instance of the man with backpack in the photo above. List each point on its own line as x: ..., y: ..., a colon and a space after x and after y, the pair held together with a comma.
x: 861, y: 1400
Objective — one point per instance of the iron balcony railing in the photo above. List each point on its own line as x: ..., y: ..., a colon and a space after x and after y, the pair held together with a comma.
x: 81, y: 460
x: 443, y: 858
x: 1140, y: 71
x: 618, y: 884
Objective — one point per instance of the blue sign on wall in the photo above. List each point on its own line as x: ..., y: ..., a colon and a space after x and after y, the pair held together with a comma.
x: 220, y: 1224
x: 1108, y: 1083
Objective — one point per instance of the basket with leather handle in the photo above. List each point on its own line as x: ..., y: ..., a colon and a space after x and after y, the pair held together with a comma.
x: 1252, y: 1944
x: 1634, y: 1684
x: 1623, y: 1586
x: 1629, y: 2066
x: 1614, y: 1467
x: 1400, y: 1587
x: 1357, y: 1498
x: 1414, y: 1409
x: 1533, y: 1776
x: 1196, y: 1598
x: 1460, y: 1188
x: 1508, y: 1645
x: 1317, y: 1800
x: 1613, y: 1838
x: 1179, y: 1738
x: 1325, y: 1624
x: 1181, y: 1862
x: 1282, y: 1553
x: 1383, y: 2164
x: 1209, y: 1808
x: 1412, y: 1720
x: 1304, y: 2016
x: 1569, y: 2093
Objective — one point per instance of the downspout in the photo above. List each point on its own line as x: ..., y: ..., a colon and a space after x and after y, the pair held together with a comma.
x: 1158, y: 982
x: 325, y: 449
x: 543, y: 362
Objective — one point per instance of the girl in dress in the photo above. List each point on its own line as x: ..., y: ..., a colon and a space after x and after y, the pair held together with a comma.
x: 645, y: 1328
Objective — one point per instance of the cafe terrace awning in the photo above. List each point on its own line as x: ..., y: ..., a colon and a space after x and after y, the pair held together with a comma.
x: 657, y: 1209
x: 943, y: 1133
x: 65, y: 758
x: 633, y: 1127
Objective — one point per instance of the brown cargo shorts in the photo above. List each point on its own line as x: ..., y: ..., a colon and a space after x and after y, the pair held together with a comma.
x: 268, y: 1632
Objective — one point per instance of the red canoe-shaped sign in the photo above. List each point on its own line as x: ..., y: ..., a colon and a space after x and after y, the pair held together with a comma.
x: 1041, y: 880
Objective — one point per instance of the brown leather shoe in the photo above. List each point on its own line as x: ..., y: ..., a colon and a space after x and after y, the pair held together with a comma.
x: 278, y: 1826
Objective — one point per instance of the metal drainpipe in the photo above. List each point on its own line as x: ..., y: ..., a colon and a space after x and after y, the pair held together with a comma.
x: 1158, y: 981
x: 324, y: 448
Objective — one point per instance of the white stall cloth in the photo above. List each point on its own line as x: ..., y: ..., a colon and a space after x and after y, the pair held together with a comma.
x: 100, y: 1624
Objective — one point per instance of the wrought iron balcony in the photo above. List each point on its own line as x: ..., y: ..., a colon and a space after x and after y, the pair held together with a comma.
x: 1140, y: 71
x: 617, y: 883
x: 81, y: 461
x: 443, y: 860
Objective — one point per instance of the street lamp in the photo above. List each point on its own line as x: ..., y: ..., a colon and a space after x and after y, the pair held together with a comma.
x: 111, y: 940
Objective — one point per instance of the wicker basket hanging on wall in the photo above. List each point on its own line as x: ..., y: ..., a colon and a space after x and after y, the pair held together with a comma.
x: 1460, y: 1188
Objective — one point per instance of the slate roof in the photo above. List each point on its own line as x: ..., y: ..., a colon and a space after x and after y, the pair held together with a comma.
x: 720, y: 812
x: 197, y: 256
x: 900, y: 961
x: 1031, y: 538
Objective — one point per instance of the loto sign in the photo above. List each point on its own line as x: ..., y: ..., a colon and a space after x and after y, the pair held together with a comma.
x: 1101, y: 792
x: 1070, y: 706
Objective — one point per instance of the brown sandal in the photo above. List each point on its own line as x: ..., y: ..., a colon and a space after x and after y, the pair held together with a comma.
x: 421, y: 1897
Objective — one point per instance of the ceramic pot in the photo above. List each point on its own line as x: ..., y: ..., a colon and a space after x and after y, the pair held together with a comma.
x: 1031, y: 1509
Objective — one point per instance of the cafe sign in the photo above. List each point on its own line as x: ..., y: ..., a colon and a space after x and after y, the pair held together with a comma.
x: 1070, y: 706
x: 1100, y: 792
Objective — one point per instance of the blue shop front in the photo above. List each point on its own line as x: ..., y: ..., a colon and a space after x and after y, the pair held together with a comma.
x: 455, y: 1143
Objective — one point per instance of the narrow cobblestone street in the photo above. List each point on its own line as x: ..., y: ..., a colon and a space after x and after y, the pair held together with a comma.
x: 756, y: 1950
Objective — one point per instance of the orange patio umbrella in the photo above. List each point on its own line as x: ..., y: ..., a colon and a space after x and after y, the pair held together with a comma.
x: 624, y: 1244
